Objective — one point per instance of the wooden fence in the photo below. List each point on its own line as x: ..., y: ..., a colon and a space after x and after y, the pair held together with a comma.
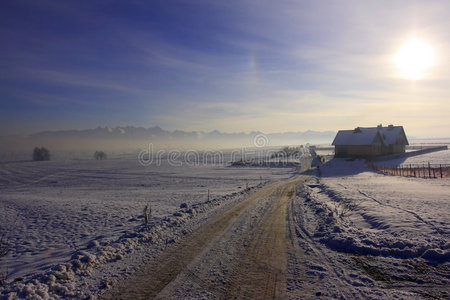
x: 415, y: 170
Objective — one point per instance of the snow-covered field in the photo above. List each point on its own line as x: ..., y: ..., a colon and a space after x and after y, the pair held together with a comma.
x: 434, y: 158
x: 50, y: 210
x: 75, y: 227
x: 401, y: 217
x: 374, y: 236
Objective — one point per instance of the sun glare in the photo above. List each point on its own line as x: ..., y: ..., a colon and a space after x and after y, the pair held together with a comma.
x: 414, y: 59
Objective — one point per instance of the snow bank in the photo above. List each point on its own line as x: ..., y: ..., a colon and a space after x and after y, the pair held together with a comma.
x: 78, y: 277
x: 382, y: 215
x: 365, y: 235
x: 363, y: 212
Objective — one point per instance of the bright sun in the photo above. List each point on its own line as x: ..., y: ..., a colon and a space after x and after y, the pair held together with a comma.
x: 414, y: 59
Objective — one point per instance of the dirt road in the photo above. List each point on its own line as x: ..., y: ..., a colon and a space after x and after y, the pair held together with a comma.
x: 241, y: 253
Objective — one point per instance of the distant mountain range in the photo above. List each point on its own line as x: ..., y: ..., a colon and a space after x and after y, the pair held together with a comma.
x: 130, y: 139
x: 141, y: 133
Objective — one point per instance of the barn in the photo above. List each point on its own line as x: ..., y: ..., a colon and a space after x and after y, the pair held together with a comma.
x: 370, y: 141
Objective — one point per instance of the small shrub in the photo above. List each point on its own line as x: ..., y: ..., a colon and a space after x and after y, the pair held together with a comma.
x: 99, y: 155
x: 41, y: 154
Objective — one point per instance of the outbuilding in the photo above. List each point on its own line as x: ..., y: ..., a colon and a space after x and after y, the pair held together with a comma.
x: 370, y: 141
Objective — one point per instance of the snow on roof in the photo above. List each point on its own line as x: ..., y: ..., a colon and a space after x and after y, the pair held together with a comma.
x: 368, y: 135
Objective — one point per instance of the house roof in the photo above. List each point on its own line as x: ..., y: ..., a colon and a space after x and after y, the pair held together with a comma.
x: 368, y: 135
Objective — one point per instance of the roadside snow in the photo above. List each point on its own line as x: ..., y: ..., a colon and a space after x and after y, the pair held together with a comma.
x: 394, y: 216
x: 373, y: 236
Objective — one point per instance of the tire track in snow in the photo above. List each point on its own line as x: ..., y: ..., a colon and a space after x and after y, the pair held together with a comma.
x: 258, y: 273
x: 308, y: 250
x: 262, y: 270
x: 404, y: 210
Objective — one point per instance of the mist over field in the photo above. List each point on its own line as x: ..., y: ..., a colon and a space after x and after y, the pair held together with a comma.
x: 119, y: 140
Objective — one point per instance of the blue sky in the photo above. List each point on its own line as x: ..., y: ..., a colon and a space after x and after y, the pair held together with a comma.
x: 234, y: 66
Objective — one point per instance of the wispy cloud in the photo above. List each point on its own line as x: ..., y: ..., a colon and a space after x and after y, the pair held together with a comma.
x: 234, y: 66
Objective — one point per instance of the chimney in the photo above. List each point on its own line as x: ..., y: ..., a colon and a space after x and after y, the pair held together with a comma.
x: 390, y: 127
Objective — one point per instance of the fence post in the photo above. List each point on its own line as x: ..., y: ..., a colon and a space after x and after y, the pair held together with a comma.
x: 440, y: 169
x: 429, y: 170
x: 424, y: 175
x: 410, y: 170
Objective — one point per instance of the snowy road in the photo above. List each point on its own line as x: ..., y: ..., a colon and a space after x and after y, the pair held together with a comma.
x: 241, y: 253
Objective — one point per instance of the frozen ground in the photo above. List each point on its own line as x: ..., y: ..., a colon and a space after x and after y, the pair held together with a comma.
x: 411, y: 213
x: 434, y: 158
x: 351, y: 233
x: 50, y: 210
x: 367, y: 235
